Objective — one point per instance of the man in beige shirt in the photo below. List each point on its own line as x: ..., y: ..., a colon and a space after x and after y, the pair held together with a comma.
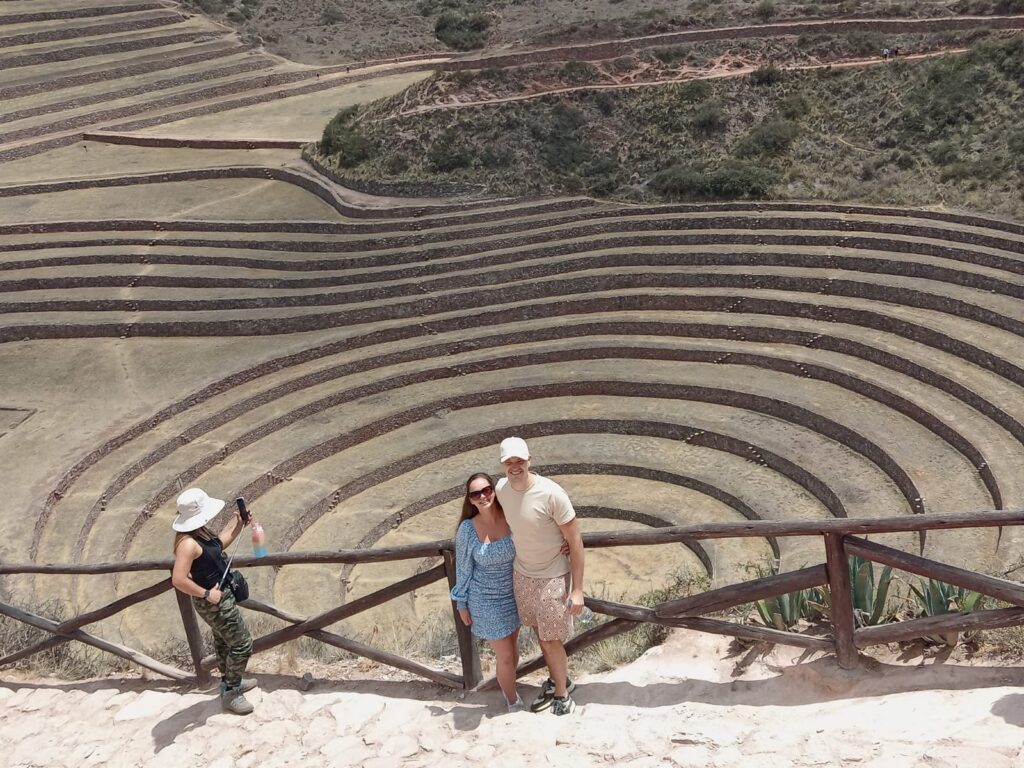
x: 541, y: 517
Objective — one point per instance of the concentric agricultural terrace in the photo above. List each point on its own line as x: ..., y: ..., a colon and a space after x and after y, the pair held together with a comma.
x: 231, y: 319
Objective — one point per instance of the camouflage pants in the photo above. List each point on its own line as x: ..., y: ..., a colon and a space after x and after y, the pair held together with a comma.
x: 231, y: 639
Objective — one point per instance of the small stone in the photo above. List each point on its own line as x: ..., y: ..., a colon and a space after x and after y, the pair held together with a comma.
x: 400, y: 746
x: 456, y: 746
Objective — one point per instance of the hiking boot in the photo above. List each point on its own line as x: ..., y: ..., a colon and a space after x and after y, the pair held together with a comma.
x: 562, y: 706
x: 247, y: 684
x: 547, y: 693
x: 517, y: 705
x: 234, y: 701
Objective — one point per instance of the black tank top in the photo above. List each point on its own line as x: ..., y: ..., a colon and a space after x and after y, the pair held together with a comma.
x: 208, y: 568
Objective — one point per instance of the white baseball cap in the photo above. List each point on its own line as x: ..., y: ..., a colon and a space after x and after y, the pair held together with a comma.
x: 195, y: 509
x: 514, y: 448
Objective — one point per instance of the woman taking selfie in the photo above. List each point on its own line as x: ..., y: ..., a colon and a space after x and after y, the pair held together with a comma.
x: 199, y: 567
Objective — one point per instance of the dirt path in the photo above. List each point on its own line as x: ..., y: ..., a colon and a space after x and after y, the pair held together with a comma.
x: 721, y: 68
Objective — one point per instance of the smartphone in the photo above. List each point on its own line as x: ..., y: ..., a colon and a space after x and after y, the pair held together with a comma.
x: 242, y: 509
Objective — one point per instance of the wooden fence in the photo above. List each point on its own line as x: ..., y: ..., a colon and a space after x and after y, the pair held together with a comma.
x: 842, y: 539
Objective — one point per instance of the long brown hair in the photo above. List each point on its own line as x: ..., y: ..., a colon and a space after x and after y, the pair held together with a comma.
x: 468, y: 510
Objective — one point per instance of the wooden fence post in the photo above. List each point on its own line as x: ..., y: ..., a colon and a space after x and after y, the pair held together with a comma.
x: 194, y: 637
x: 841, y: 599
x: 468, y: 650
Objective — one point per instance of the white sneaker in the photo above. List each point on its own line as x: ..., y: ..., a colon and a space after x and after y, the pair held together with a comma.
x: 517, y: 705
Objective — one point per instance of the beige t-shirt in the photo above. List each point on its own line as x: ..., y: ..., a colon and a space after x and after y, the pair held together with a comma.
x: 534, y: 516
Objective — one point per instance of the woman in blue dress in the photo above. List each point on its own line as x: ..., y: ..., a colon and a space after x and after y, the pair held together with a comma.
x: 483, y: 585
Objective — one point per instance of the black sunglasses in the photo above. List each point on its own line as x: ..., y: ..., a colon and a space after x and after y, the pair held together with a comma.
x: 487, y: 490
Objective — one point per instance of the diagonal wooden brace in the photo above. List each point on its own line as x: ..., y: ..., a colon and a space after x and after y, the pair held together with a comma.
x: 97, y: 642
x: 61, y: 631
x: 1009, y: 591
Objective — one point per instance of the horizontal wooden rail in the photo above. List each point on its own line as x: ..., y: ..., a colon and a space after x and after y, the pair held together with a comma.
x: 598, y: 539
x: 938, y: 625
x: 379, y: 555
x: 762, y: 528
x: 752, y: 632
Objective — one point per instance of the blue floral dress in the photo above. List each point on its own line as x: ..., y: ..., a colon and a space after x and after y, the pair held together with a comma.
x: 483, y: 583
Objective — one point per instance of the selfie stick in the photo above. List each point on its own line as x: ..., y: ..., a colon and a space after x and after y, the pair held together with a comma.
x: 244, y: 514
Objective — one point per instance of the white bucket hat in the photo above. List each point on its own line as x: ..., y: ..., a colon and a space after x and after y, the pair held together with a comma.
x: 195, y: 509
x: 514, y: 447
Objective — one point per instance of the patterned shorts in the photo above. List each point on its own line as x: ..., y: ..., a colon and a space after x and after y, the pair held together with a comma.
x: 541, y: 604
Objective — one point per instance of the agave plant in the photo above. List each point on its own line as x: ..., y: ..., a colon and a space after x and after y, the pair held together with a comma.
x: 869, y: 596
x: 937, y: 597
x: 783, y: 611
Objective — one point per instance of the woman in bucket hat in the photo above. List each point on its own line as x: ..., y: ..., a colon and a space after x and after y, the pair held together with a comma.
x: 199, y: 565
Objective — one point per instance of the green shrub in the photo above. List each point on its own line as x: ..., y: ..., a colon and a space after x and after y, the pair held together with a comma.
x: 497, y: 156
x: 605, y: 102
x: 354, y: 148
x: 766, y: 75
x: 209, y: 6
x: 986, y: 168
x: 331, y: 14
x: 865, y: 42
x: 794, y: 106
x: 1015, y: 142
x: 728, y: 180
x: 670, y: 56
x: 462, y: 33
x: 449, y: 152
x: 764, y: 10
x: 560, y: 138
x: 236, y: 16
x: 602, y: 174
x: 694, y: 91
x: 578, y: 72
x: 396, y: 165
x: 338, y: 126
x: 341, y: 137
x: 769, y: 138
x: 709, y: 118
x: 946, y: 95
x: 943, y: 153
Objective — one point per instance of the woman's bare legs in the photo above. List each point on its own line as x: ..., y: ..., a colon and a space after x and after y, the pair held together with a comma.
x: 506, y: 657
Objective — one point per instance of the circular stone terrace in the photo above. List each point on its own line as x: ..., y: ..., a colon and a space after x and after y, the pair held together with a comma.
x: 196, y: 312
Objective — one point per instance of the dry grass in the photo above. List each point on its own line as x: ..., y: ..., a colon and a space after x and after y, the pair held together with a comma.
x: 69, y: 661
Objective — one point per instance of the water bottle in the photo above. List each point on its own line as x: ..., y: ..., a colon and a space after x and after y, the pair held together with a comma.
x: 259, y: 540
x: 586, y: 615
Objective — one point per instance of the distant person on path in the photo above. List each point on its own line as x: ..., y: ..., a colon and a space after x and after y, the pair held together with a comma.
x: 483, y: 580
x: 199, y: 566
x: 542, y: 518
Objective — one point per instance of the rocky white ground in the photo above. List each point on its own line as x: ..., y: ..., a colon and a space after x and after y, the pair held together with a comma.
x: 692, y: 702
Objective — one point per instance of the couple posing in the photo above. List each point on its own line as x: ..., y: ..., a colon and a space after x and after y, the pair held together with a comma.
x: 512, y: 570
